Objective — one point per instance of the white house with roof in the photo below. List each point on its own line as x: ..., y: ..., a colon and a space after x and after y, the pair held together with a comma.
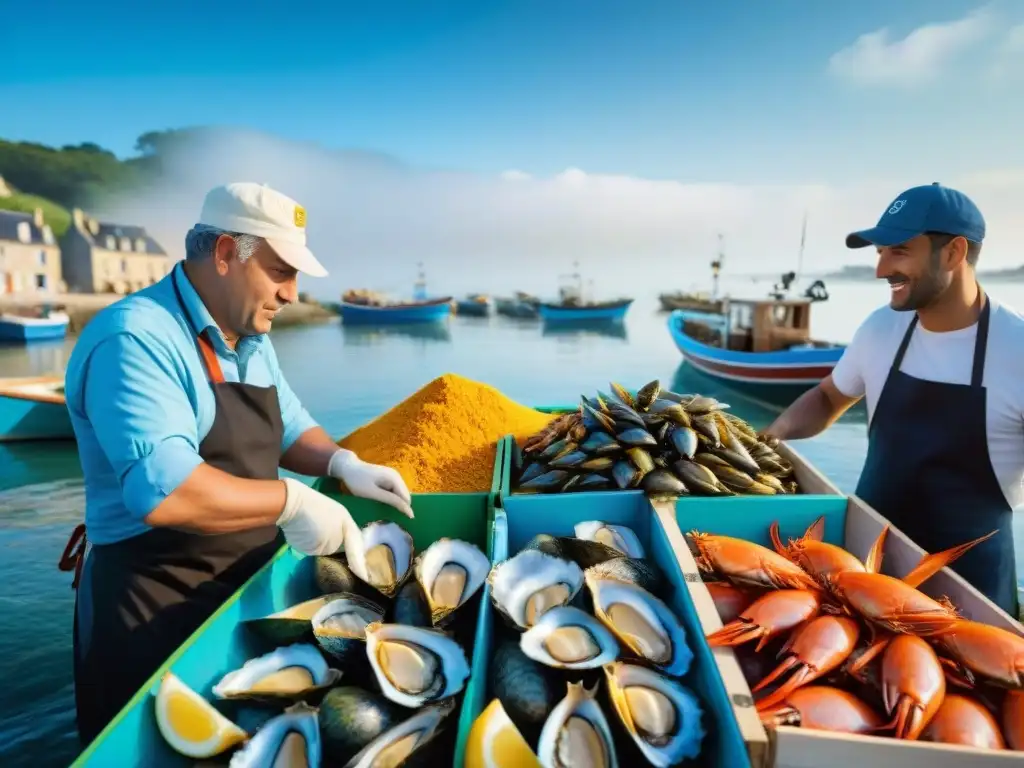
x: 30, y: 258
x: 102, y: 257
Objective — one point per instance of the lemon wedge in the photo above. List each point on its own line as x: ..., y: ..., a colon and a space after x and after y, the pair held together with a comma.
x: 190, y: 724
x: 495, y: 742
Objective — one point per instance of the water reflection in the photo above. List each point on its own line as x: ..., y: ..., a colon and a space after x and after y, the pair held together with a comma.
x: 35, y: 359
x: 36, y: 462
x: 584, y: 328
x: 372, y: 335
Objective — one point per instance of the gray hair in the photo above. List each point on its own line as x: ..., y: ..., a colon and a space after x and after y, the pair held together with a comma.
x: 200, y: 240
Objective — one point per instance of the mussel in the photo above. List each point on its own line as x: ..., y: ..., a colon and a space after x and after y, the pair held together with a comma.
x: 450, y: 571
x: 642, y: 623
x: 288, y: 673
x: 569, y: 638
x: 415, y: 665
x: 663, y: 718
x: 396, y: 745
x: 530, y: 583
x: 381, y: 555
x: 292, y: 625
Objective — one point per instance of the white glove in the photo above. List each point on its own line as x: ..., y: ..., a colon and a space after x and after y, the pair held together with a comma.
x: 313, y: 523
x: 371, y: 481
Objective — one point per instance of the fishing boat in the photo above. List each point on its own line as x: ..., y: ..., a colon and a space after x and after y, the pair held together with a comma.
x: 522, y: 305
x: 368, y: 307
x: 757, y: 345
x: 33, y: 408
x: 23, y: 326
x: 475, y: 305
x: 573, y: 306
x: 698, y: 301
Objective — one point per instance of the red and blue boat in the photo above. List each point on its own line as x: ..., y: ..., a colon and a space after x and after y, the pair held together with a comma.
x: 759, y: 346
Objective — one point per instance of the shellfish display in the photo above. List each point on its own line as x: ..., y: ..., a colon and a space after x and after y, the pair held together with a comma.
x: 671, y: 445
x: 586, y: 664
x: 366, y: 674
x: 850, y: 649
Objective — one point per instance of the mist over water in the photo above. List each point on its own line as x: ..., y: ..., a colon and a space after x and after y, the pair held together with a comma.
x: 372, y: 217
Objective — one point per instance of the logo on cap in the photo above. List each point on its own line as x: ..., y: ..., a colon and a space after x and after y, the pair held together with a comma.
x: 896, y: 207
x: 300, y: 216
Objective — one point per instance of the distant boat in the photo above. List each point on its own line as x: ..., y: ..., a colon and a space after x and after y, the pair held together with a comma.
x: 431, y: 310
x: 26, y: 326
x: 33, y: 408
x: 573, y: 307
x: 610, y: 311
x: 760, y: 344
x: 474, y: 305
x: 521, y: 305
x: 694, y: 302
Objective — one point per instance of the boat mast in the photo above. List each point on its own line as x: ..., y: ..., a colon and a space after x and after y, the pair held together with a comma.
x: 716, y: 267
x: 803, y: 240
x: 419, y: 292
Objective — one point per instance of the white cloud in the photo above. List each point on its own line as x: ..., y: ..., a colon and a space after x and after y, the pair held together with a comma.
x: 371, y: 219
x: 1008, y: 61
x: 876, y: 59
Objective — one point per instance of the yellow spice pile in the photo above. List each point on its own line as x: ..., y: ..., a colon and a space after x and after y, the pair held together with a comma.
x: 443, y: 438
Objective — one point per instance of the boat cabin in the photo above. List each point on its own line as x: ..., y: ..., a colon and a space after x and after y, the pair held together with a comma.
x: 768, y: 325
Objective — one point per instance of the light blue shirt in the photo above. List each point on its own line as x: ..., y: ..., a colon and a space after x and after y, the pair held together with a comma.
x: 141, y: 402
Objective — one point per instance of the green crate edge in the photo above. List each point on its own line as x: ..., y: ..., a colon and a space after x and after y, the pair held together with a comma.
x: 321, y: 484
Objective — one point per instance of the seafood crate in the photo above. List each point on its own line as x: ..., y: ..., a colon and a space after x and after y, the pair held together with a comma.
x: 556, y: 515
x: 222, y: 644
x: 812, y: 481
x: 853, y: 525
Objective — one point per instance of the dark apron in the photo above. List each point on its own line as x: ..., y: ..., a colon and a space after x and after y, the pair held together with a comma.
x: 138, y: 600
x: 928, y: 471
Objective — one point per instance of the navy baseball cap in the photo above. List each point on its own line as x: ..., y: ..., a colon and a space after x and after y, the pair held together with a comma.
x: 929, y: 208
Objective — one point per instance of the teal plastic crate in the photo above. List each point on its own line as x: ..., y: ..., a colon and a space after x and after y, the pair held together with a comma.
x: 221, y: 644
x: 527, y: 516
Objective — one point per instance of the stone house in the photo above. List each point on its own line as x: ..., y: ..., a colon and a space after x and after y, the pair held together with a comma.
x: 101, y: 257
x: 30, y: 259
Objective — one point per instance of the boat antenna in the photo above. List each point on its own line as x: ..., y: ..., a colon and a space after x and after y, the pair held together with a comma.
x: 420, y: 286
x: 803, y: 241
x: 716, y: 267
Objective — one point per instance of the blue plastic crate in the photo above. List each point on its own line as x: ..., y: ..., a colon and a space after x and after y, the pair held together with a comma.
x: 528, y: 516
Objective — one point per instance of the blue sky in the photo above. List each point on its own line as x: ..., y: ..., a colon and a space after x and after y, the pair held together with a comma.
x: 543, y: 131
x: 735, y: 91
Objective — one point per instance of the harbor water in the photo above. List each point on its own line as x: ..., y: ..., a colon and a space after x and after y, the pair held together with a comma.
x: 345, y: 377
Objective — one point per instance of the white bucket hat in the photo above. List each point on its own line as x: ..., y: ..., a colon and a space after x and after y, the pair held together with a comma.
x: 256, y: 209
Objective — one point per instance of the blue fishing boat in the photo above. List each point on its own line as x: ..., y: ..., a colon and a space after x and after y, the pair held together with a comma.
x: 33, y: 408
x: 368, y: 307
x: 22, y: 327
x: 573, y: 307
x: 756, y: 345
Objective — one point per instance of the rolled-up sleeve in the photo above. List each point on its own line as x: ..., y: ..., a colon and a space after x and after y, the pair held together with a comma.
x: 144, y: 422
x: 295, y: 417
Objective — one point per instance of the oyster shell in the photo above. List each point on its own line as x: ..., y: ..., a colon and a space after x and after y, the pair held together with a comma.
x: 396, y: 745
x: 577, y: 733
x: 619, y: 537
x: 642, y: 623
x: 381, y: 555
x: 532, y: 582
x: 568, y: 638
x: 415, y: 665
x: 340, y: 625
x: 450, y: 571
x: 292, y: 625
x: 663, y: 718
x: 291, y: 739
x: 290, y: 672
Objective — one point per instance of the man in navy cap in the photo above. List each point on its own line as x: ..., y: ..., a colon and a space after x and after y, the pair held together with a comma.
x: 942, y: 369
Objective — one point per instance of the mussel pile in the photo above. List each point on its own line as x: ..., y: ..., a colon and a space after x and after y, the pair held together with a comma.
x: 587, y: 659
x: 662, y: 442
x: 369, y: 673
x: 828, y: 642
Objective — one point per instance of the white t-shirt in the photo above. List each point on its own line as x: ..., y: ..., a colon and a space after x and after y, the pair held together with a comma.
x: 949, y: 357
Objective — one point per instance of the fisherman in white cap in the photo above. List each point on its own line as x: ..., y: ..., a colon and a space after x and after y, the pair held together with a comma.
x: 183, y: 419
